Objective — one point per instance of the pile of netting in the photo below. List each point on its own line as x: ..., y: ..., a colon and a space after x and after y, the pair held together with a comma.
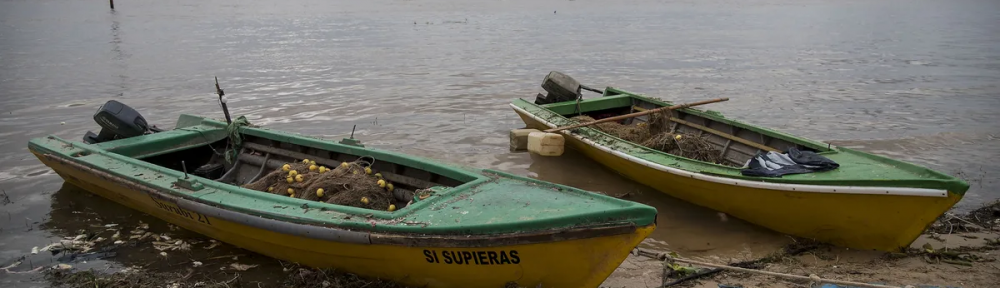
x: 350, y: 184
x: 656, y: 135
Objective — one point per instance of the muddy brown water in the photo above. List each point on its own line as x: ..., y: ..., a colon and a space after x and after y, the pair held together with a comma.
x: 916, y: 80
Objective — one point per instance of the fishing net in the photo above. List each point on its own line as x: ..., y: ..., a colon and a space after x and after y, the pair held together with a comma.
x: 349, y: 184
x: 632, y: 133
x: 686, y: 145
x: 656, y: 135
x: 235, y: 139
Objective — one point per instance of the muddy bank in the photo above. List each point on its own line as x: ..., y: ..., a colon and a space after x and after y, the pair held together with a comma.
x: 295, y: 277
x: 969, y: 256
x: 154, y: 254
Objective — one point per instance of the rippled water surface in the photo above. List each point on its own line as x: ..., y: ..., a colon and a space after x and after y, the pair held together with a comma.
x: 917, y: 80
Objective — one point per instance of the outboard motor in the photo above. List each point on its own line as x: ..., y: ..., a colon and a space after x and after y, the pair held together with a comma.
x: 118, y: 121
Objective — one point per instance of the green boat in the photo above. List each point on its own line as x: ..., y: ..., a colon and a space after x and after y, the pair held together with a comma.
x: 869, y: 202
x: 454, y: 227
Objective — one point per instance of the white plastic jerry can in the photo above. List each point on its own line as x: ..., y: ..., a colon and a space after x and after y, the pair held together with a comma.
x: 519, y: 139
x: 546, y: 144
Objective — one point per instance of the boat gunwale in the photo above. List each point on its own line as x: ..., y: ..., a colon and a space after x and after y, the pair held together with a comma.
x: 342, y: 235
x: 871, y: 190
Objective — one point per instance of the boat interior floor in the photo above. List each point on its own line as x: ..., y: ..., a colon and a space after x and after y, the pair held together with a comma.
x: 260, y: 156
x: 733, y: 145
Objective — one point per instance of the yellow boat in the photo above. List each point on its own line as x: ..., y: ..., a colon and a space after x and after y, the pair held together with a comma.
x: 869, y: 202
x: 455, y: 227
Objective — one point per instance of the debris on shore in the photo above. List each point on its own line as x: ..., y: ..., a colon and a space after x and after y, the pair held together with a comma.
x: 985, y: 218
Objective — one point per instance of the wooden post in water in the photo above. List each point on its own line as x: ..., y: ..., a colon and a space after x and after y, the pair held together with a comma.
x: 112, y: 4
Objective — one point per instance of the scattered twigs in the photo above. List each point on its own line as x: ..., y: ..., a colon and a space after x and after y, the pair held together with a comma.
x: 6, y: 199
x: 812, y: 278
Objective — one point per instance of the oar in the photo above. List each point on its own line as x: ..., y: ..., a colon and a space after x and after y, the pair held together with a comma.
x: 637, y: 114
x: 548, y: 143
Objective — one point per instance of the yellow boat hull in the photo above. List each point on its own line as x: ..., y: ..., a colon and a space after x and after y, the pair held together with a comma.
x: 571, y: 263
x: 862, y: 221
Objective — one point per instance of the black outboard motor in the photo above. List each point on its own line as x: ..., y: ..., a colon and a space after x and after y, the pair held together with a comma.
x: 118, y: 121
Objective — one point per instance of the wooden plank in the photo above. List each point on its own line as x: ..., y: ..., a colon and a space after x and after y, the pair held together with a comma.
x: 721, y: 134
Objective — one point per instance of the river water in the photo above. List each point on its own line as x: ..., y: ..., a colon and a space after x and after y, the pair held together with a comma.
x: 917, y: 80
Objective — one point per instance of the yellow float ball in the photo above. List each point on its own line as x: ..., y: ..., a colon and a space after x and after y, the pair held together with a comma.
x: 381, y: 183
x: 392, y: 207
x: 299, y: 178
x: 364, y: 200
x: 368, y: 170
x: 291, y: 191
x: 678, y: 137
x: 312, y: 162
x: 322, y: 169
x: 343, y: 164
x: 293, y: 173
x: 270, y: 189
x: 286, y: 167
x: 319, y: 192
x: 305, y: 161
x: 388, y: 186
x: 378, y: 175
x: 313, y: 167
x: 289, y: 179
x: 291, y: 195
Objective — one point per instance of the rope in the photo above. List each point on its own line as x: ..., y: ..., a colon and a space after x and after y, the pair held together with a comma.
x: 370, y: 163
x: 812, y: 277
x: 235, y: 139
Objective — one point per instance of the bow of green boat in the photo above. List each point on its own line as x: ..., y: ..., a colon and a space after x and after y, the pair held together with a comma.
x: 449, y: 200
x: 738, y: 142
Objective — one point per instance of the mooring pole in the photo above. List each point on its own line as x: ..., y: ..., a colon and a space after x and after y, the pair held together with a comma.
x: 112, y: 4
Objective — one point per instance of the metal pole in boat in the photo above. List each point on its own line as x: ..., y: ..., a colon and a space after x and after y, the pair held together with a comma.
x: 222, y: 100
x: 352, y: 130
x: 185, y: 168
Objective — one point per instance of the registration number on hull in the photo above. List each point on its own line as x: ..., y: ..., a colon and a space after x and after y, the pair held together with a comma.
x: 173, y: 208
